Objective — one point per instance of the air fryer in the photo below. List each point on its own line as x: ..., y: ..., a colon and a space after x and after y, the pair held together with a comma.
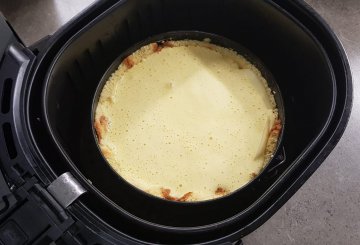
x: 46, y: 100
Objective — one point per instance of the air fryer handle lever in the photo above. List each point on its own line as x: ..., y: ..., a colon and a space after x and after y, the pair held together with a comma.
x: 15, y: 65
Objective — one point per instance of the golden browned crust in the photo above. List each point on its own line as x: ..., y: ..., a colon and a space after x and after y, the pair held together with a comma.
x: 166, y: 195
x: 221, y: 191
x: 98, y: 130
x: 253, y: 175
x: 103, y: 121
x: 273, y: 139
x: 157, y: 47
x: 275, y: 130
x: 106, y: 152
x: 129, y: 62
x: 185, y: 197
x: 100, y: 126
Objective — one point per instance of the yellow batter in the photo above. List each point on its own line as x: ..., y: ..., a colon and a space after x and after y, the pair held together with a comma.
x: 186, y: 120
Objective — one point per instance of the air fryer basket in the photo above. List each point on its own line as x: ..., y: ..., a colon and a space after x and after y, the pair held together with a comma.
x: 301, y: 70
x: 292, y: 54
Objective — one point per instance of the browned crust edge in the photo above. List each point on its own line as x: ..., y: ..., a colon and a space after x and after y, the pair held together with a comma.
x: 166, y: 195
x: 221, y: 191
x: 129, y: 62
x: 273, y: 139
x: 100, y: 126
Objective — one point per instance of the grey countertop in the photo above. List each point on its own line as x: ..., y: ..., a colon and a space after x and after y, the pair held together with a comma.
x: 326, y: 210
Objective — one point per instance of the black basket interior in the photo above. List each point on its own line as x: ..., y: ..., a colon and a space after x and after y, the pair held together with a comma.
x: 293, y: 56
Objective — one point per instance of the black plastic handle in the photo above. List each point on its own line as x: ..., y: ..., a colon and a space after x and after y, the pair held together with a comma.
x: 15, y: 63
